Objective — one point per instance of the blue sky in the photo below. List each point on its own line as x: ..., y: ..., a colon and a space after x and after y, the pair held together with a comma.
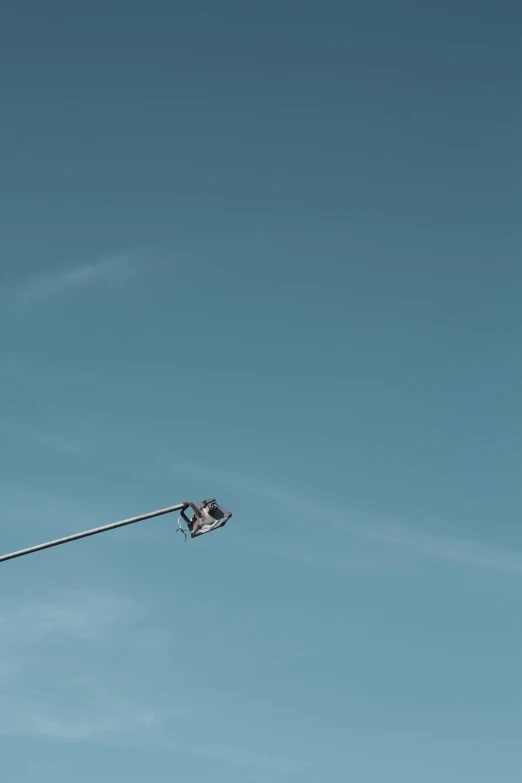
x: 270, y: 253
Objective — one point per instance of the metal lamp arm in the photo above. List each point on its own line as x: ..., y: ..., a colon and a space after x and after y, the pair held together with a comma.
x: 180, y: 507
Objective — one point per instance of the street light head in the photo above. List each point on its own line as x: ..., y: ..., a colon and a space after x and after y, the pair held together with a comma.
x: 208, y: 515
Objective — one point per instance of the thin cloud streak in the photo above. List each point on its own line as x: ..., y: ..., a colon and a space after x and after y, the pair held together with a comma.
x: 238, y: 756
x: 367, y: 528
x: 60, y: 282
x: 46, y: 440
x: 59, y: 696
x: 450, y: 550
x: 35, y: 716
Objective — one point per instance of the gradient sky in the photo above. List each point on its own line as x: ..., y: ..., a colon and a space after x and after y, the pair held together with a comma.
x: 267, y: 252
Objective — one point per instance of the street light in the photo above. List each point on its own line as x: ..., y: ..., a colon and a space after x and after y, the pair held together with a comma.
x: 208, y: 515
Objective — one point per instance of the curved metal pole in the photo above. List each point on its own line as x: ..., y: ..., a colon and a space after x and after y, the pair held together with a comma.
x: 93, y: 532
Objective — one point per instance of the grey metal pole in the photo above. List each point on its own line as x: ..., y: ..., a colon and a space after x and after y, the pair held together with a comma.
x: 92, y: 532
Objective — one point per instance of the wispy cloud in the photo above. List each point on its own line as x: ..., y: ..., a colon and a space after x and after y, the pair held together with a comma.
x: 37, y: 715
x: 49, y: 681
x: 451, y: 550
x: 47, y: 440
x: 388, y: 535
x: 18, y: 369
x: 240, y: 756
x: 59, y: 282
x: 70, y: 667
